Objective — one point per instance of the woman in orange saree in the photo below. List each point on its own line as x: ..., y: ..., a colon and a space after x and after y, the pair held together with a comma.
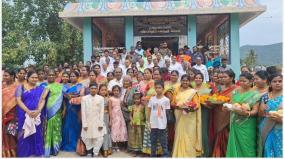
x: 222, y: 118
x: 8, y: 115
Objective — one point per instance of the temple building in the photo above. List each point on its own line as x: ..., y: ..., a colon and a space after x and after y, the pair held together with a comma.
x: 121, y: 23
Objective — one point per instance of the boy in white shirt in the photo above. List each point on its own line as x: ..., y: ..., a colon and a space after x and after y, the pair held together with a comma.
x: 158, y: 119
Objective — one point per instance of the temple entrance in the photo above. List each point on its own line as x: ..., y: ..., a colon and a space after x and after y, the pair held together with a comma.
x: 151, y: 42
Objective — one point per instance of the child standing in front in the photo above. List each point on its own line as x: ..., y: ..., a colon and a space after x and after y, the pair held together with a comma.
x: 118, y: 125
x: 158, y: 119
x: 136, y: 126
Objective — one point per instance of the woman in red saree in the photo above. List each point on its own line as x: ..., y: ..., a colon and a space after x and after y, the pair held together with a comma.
x: 8, y: 114
x: 222, y: 118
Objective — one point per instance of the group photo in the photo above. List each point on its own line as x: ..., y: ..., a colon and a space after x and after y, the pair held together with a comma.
x: 140, y: 78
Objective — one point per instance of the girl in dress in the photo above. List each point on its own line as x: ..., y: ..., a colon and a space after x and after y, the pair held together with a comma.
x: 107, y: 137
x: 136, y: 126
x: 118, y: 125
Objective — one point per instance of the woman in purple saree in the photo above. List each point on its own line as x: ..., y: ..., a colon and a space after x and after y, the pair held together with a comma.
x: 31, y: 100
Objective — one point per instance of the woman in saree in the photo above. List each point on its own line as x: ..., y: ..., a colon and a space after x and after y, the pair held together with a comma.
x: 92, y: 79
x: 148, y: 81
x: 110, y: 76
x: 53, y: 136
x: 206, y: 117
x: 140, y: 77
x: 260, y: 82
x: 41, y: 78
x: 30, y: 105
x: 187, y: 142
x: 242, y: 136
x: 135, y: 73
x: 215, y: 81
x: 21, y: 76
x: 100, y: 78
x: 130, y: 72
x: 271, y: 126
x: 127, y: 98
x: 72, y: 120
x: 191, y: 73
x: 65, y: 78
x: 221, y: 119
x: 171, y: 87
x: 174, y: 82
x: 260, y: 85
x: 9, y: 139
x: 84, y: 76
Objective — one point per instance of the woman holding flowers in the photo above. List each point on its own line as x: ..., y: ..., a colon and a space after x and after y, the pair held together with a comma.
x: 203, y: 89
x: 271, y: 126
x: 188, y: 141
x: 222, y: 118
x: 242, y: 136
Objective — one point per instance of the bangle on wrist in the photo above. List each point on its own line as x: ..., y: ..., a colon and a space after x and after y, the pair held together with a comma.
x: 249, y: 114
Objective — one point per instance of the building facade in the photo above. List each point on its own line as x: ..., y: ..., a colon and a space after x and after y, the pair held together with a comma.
x: 121, y: 23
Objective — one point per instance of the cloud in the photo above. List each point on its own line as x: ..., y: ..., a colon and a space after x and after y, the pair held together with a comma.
x: 266, y: 28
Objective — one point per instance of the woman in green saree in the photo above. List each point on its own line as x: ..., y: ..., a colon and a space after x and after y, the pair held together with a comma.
x: 243, y: 126
x: 53, y: 131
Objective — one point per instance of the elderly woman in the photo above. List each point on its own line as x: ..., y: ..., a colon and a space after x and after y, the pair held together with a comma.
x: 126, y: 95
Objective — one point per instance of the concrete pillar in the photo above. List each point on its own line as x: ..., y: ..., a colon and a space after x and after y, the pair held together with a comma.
x: 129, y: 37
x: 191, y: 38
x: 87, y: 39
x: 234, y: 55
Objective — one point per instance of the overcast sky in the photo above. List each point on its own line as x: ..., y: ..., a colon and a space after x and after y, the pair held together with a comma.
x: 266, y: 28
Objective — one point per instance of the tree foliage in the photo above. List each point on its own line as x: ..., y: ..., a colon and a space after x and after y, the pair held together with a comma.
x: 33, y: 30
x: 250, y: 59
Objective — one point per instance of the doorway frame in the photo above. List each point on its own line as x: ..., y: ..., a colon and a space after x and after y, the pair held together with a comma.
x: 164, y: 36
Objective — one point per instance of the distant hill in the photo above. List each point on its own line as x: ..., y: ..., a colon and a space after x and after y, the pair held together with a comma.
x: 266, y: 54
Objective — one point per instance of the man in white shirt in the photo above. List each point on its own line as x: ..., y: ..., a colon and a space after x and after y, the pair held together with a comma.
x: 175, y: 65
x: 105, y: 69
x: 126, y: 66
x: 161, y: 61
x: 168, y: 64
x: 140, y: 65
x: 118, y: 61
x: 139, y: 50
x: 93, y: 60
x: 92, y: 109
x: 149, y: 62
x: 202, y: 68
x: 123, y: 54
x: 106, y: 55
x: 117, y: 80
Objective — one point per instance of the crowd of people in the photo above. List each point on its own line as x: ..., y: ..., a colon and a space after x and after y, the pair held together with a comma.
x: 135, y: 101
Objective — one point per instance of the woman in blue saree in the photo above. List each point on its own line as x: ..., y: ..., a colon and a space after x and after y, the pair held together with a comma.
x: 72, y: 118
x: 30, y: 103
x: 271, y: 126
